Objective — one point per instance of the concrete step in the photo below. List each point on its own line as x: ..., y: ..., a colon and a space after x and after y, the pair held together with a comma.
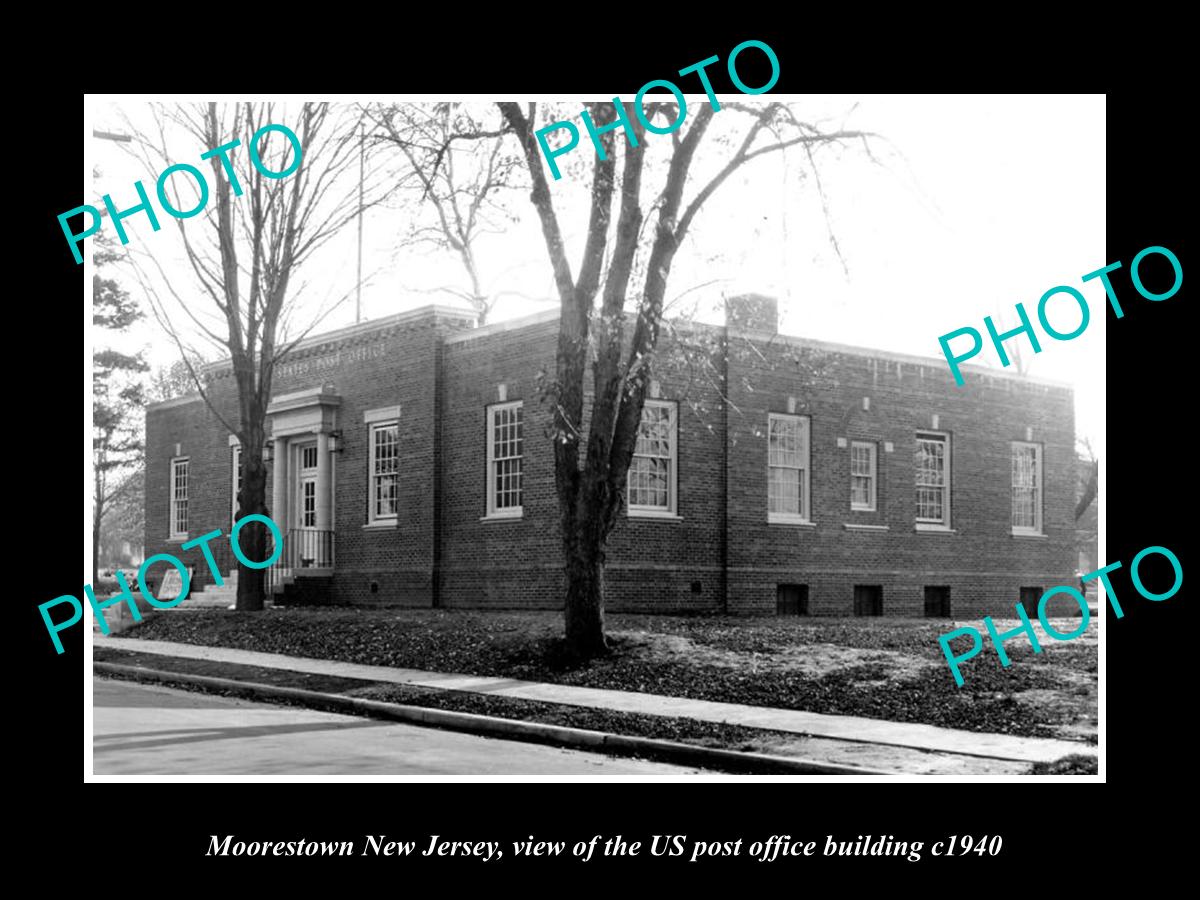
x: 204, y: 600
x: 213, y: 597
x: 208, y: 597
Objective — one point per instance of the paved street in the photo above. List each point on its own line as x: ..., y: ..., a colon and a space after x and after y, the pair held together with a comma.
x: 150, y: 730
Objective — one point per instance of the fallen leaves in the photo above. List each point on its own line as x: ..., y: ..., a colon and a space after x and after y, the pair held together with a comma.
x: 528, y: 646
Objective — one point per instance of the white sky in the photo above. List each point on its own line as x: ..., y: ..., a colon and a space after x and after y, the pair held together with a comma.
x: 976, y: 203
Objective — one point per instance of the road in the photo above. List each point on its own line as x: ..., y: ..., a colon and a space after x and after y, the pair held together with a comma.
x: 151, y: 730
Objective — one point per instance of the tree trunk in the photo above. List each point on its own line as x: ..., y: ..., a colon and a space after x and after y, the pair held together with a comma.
x: 253, y: 537
x: 585, y: 601
x: 583, y: 550
x: 96, y: 541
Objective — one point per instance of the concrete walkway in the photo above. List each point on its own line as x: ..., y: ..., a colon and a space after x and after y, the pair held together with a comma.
x: 150, y: 730
x: 849, y: 728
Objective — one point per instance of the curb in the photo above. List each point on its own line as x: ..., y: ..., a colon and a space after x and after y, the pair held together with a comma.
x: 510, y: 729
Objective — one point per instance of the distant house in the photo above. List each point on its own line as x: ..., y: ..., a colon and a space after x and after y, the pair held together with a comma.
x: 410, y: 464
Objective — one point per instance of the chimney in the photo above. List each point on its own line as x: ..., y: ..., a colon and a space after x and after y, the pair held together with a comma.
x: 752, y: 312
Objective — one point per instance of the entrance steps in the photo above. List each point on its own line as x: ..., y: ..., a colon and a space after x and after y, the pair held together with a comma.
x: 213, y: 597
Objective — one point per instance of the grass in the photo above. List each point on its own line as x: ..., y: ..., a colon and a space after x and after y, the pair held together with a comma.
x: 882, y: 668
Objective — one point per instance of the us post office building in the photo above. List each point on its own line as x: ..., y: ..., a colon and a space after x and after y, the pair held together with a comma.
x: 410, y: 464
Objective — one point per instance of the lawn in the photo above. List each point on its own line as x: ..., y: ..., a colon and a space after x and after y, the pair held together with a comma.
x: 880, y: 668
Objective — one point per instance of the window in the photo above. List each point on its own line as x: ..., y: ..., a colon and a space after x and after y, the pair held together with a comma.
x: 384, y: 467
x: 862, y: 476
x: 179, y: 498
x: 1026, y: 488
x: 933, y: 480
x: 307, y: 454
x: 652, y: 475
x: 308, y: 504
x: 235, y: 479
x: 787, y: 468
x: 505, y: 458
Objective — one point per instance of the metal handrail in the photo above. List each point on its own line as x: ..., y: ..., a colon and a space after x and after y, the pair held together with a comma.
x: 303, y: 548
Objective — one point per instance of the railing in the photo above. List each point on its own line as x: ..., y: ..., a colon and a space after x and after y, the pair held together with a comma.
x: 303, y: 548
x: 308, y: 548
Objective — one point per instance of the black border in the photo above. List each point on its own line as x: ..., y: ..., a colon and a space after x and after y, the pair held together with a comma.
x: 1046, y: 831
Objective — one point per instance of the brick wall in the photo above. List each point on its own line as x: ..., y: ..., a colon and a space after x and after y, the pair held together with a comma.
x: 500, y: 562
x: 720, y: 552
x: 204, y: 441
x: 979, y: 559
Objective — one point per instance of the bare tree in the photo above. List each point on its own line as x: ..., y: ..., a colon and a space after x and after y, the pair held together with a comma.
x: 590, y: 488
x: 1016, y: 354
x: 245, y: 251
x: 175, y: 380
x: 125, y: 523
x: 461, y: 167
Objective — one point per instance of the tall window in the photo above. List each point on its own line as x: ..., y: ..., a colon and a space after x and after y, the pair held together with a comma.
x: 308, y: 486
x: 933, y: 479
x: 862, y: 476
x: 308, y: 504
x: 1026, y: 488
x: 179, y: 497
x: 235, y: 480
x: 652, y: 472
x: 385, y: 471
x: 787, y: 468
x: 505, y: 454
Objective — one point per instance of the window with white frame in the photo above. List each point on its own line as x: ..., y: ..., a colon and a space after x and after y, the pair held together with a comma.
x: 652, y: 472
x: 932, y: 463
x: 308, y: 485
x: 235, y: 480
x: 787, y: 468
x: 862, y: 476
x: 505, y: 458
x: 308, y: 503
x: 1026, y: 488
x: 384, y: 469
x: 179, y: 497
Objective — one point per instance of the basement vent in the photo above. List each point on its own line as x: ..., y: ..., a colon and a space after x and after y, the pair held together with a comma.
x: 791, y: 599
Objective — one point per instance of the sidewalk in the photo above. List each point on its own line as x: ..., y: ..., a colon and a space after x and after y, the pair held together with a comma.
x: 849, y: 728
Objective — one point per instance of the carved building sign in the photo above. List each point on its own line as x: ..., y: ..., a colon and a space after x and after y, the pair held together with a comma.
x: 329, y: 362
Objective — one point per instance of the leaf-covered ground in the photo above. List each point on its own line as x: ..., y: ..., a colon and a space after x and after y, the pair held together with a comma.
x: 1075, y: 764
x: 880, y: 668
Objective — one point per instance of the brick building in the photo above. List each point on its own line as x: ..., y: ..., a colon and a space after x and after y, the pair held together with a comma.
x: 410, y: 464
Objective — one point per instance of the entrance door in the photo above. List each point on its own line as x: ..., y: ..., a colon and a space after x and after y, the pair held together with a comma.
x: 306, y: 506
